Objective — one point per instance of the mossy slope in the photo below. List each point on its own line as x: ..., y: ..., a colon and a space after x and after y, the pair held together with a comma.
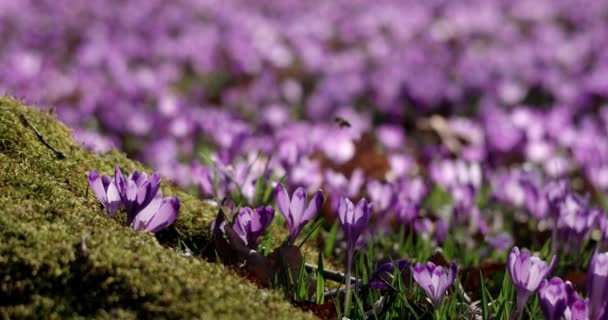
x: 45, y: 209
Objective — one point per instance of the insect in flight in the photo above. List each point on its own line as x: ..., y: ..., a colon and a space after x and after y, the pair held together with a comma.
x: 342, y: 123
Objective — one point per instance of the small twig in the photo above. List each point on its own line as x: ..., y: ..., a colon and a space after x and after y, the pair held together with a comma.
x: 84, y: 250
x: 58, y: 153
x: 377, y: 308
x: 329, y: 274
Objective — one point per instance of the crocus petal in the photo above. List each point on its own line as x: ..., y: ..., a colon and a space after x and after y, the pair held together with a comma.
x: 283, y: 202
x: 345, y: 209
x: 121, y: 183
x: 97, y: 186
x: 142, y: 218
x: 315, y: 205
x: 166, y: 215
x: 298, y: 205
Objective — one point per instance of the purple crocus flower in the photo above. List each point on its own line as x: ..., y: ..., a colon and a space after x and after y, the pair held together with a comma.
x: 353, y: 220
x: 105, y: 190
x: 556, y: 192
x: 553, y: 298
x: 384, y: 270
x: 295, y: 211
x: 137, y: 191
x: 575, y: 221
x: 577, y: 310
x: 535, y: 199
x: 526, y: 273
x: 250, y: 224
x: 435, y: 280
x: 597, y: 283
x: 158, y: 215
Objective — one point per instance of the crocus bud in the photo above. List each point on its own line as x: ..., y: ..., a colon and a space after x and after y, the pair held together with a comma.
x: 435, y: 280
x: 353, y: 219
x: 597, y: 283
x: 526, y: 273
x: 553, y: 298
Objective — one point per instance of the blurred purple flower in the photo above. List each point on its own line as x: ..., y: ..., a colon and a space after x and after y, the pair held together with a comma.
x: 441, y: 230
x: 391, y: 136
x: 575, y: 221
x: 500, y: 242
x: 597, y: 284
x: 137, y: 191
x: 434, y: 279
x: 535, y: 199
x: 526, y: 273
x: 250, y: 224
x: 385, y: 272
x: 381, y: 194
x: 295, y: 211
x: 105, y: 190
x: 553, y: 298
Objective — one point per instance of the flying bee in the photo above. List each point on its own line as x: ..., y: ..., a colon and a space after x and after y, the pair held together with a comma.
x: 342, y: 123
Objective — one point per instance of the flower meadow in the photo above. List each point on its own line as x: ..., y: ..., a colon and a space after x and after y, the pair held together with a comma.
x: 367, y: 160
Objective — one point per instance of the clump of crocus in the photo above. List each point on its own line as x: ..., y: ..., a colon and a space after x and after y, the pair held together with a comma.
x: 597, y: 284
x: 137, y: 191
x: 435, y: 280
x: 384, y: 273
x: 353, y: 220
x: 250, y: 224
x: 553, y: 297
x: 526, y: 273
x: 295, y: 211
x: 105, y: 190
x: 146, y: 208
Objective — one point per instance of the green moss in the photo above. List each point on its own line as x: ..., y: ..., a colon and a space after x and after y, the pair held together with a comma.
x: 45, y: 209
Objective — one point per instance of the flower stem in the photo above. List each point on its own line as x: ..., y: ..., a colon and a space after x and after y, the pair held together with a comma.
x: 349, y: 262
x: 554, y: 239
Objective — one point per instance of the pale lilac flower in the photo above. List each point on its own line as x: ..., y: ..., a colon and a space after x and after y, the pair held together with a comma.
x: 295, y: 211
x: 553, y: 298
x: 105, y: 190
x: 526, y: 273
x: 435, y: 280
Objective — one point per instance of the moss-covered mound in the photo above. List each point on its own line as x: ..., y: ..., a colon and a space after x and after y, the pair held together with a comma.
x: 48, y: 271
